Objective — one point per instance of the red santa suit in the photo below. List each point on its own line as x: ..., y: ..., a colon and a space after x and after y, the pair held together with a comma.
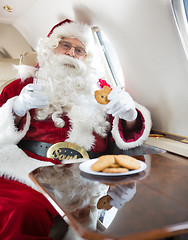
x: 25, y: 212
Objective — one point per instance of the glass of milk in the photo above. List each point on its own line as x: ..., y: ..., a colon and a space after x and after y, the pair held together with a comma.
x: 46, y: 87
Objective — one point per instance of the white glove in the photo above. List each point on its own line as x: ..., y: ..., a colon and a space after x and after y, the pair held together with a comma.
x: 121, y: 194
x: 121, y: 104
x: 30, y: 97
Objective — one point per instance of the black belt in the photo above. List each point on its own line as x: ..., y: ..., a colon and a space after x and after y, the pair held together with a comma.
x: 41, y: 148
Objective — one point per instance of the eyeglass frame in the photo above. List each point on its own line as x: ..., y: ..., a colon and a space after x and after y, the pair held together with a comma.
x: 70, y: 47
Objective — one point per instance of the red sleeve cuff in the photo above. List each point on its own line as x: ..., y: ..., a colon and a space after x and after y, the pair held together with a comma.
x: 22, y: 123
x: 132, y: 136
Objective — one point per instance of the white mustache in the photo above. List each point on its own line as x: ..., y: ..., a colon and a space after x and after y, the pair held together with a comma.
x: 67, y: 61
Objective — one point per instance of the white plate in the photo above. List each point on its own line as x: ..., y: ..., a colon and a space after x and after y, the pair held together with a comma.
x: 86, y: 167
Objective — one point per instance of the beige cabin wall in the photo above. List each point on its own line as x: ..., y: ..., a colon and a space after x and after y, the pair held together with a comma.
x: 12, y: 42
x: 12, y: 46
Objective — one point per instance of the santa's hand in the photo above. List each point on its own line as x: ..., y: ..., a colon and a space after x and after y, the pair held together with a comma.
x: 30, y: 97
x: 121, y: 194
x: 121, y: 104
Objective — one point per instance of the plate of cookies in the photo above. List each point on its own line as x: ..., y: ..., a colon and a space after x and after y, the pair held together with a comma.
x: 113, y: 165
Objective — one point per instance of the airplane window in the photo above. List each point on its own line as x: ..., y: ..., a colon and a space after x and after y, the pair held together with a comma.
x: 186, y: 8
x: 180, y: 12
x: 114, y: 71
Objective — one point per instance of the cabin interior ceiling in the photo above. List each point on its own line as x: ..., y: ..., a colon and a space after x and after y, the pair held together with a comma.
x: 143, y: 34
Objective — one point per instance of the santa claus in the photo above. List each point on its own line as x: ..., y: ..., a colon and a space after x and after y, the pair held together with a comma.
x: 54, y: 102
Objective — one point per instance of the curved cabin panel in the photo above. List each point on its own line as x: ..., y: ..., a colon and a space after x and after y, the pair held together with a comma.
x: 144, y: 35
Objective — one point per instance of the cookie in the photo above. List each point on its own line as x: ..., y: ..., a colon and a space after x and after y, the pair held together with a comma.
x: 104, y: 203
x: 115, y: 165
x: 101, y: 95
x: 115, y: 170
x: 127, y: 162
x: 103, y: 162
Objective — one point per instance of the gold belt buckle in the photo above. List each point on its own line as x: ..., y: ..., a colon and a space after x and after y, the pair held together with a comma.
x: 65, y: 151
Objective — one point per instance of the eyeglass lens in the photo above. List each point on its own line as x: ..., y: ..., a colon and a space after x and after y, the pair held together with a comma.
x: 67, y: 46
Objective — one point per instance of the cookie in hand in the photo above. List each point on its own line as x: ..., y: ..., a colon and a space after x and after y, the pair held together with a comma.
x: 101, y: 95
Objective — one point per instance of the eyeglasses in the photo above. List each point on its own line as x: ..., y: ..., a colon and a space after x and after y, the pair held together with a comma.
x: 80, y: 51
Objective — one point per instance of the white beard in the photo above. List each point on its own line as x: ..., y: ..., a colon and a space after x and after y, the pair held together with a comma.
x: 73, y: 84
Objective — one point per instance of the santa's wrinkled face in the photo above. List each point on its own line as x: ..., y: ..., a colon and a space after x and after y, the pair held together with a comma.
x: 72, y: 47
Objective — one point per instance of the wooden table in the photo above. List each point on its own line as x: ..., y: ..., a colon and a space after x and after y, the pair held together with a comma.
x: 159, y: 208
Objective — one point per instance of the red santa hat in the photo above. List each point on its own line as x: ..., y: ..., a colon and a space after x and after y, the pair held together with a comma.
x: 70, y: 29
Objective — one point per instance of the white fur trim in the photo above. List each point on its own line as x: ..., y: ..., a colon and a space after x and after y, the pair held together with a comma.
x: 81, y: 132
x: 85, y: 118
x: 127, y: 145
x: 16, y: 165
x: 25, y: 71
x: 9, y: 133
